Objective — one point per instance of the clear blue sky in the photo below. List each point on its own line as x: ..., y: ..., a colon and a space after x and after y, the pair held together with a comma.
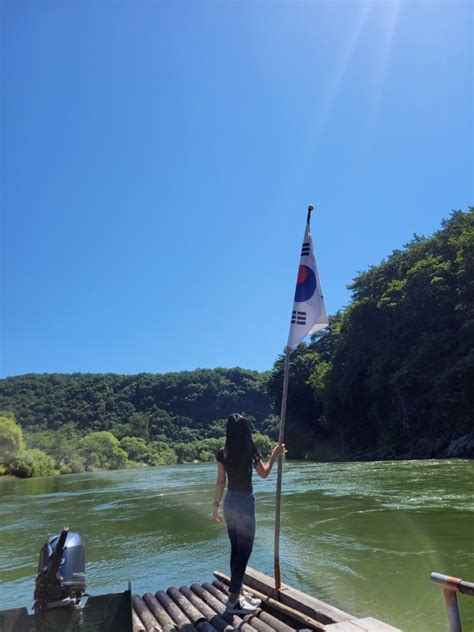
x: 158, y: 158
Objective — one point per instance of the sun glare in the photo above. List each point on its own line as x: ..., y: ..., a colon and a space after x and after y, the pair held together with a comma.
x: 389, y: 24
x: 387, y: 15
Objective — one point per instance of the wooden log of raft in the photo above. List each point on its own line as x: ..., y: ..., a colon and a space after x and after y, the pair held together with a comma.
x: 181, y: 620
x: 166, y: 622
x: 136, y: 623
x: 277, y: 606
x: 206, y: 611
x: 274, y: 622
x: 210, y: 600
x: 145, y: 616
x: 210, y: 595
x: 209, y: 592
x: 249, y: 618
x: 295, y: 599
x: 266, y: 617
x: 200, y: 623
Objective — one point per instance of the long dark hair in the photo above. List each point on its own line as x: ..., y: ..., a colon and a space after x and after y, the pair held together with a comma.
x: 239, y: 446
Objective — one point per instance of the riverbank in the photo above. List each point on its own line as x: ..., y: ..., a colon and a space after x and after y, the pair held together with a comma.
x: 328, y: 449
x: 366, y: 458
x: 12, y: 477
x: 383, y: 455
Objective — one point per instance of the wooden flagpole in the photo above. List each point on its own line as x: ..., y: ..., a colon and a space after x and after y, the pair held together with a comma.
x: 281, y: 436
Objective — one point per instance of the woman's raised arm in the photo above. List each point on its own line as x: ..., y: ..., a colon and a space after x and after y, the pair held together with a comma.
x: 264, y: 469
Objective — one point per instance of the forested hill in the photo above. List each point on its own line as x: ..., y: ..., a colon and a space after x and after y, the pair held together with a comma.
x: 167, y: 407
x: 393, y: 375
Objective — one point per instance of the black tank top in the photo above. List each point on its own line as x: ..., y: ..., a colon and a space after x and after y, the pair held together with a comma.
x: 239, y: 475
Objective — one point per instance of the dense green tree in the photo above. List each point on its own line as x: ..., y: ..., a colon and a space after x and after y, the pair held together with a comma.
x: 139, y: 424
x: 61, y: 444
x: 163, y: 454
x: 11, y: 439
x: 101, y: 450
x: 136, y: 449
x: 263, y: 444
x: 32, y: 463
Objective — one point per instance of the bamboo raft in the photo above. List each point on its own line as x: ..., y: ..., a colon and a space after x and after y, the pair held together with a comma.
x: 200, y: 608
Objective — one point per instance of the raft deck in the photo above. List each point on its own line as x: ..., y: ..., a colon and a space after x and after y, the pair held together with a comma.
x: 201, y: 608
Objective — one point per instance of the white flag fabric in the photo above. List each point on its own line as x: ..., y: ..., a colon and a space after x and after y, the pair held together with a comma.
x: 309, y: 313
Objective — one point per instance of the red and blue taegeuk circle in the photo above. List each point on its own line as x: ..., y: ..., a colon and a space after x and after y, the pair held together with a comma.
x: 305, y: 284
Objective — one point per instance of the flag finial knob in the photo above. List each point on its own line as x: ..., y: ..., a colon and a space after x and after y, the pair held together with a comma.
x: 310, y: 208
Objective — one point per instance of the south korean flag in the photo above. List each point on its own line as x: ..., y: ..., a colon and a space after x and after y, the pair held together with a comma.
x: 309, y: 313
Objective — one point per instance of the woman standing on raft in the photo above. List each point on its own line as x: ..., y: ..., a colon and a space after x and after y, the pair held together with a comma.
x: 234, y: 462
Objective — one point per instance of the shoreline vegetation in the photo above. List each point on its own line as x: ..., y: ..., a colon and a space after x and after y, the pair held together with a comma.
x: 65, y: 451
x: 391, y: 377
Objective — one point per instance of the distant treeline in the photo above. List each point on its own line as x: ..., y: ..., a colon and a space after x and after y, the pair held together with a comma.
x: 392, y: 376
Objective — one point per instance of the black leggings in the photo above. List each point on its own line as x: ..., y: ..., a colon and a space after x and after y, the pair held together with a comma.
x: 239, y: 514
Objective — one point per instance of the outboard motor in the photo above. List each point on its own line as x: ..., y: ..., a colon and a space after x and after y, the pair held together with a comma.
x: 61, y: 578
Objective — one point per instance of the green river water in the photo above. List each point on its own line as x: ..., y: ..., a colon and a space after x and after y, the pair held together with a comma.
x: 362, y: 536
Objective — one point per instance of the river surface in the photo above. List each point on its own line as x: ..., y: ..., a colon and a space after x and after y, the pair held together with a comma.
x: 362, y: 536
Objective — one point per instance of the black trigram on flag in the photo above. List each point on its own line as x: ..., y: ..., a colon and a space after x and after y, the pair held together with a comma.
x: 298, y: 318
x: 305, y: 250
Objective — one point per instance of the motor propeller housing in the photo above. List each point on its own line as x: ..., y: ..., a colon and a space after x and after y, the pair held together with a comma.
x: 61, y: 578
